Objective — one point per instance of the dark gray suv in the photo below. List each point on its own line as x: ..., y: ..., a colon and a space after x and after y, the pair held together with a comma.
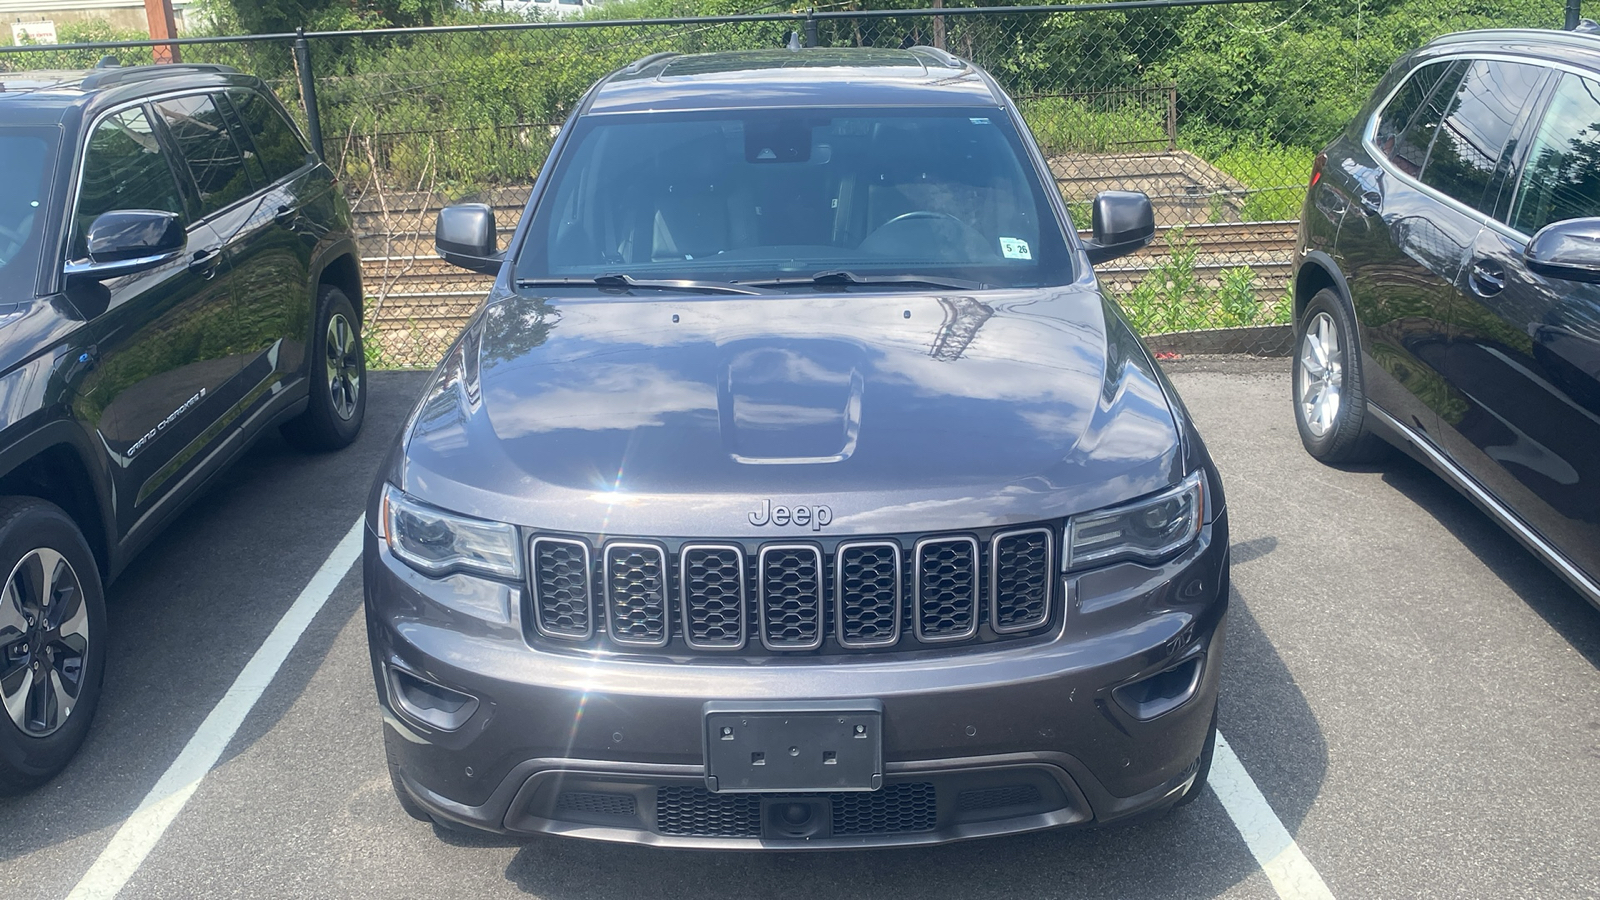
x: 796, y: 485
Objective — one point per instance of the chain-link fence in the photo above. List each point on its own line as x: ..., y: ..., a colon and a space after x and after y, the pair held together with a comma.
x: 1214, y: 108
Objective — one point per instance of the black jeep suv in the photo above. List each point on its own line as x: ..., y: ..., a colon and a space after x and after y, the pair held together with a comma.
x: 177, y: 274
x: 1448, y: 283
x: 796, y: 485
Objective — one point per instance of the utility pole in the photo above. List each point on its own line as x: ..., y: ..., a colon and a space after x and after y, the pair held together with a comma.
x: 162, y: 25
x: 938, y: 26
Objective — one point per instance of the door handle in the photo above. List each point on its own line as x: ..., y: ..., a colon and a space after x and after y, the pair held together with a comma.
x: 1486, y: 278
x: 204, y: 262
x: 284, y: 215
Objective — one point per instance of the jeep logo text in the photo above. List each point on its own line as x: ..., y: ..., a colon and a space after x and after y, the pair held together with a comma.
x: 814, y: 516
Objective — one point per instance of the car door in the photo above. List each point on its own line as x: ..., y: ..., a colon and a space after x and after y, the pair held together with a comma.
x: 264, y: 278
x: 290, y: 223
x: 151, y: 387
x: 1402, y: 249
x: 1525, y: 350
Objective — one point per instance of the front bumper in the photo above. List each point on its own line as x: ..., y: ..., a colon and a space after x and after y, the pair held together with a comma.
x: 977, y: 741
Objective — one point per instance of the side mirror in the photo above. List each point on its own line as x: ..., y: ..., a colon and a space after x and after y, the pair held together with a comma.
x: 1569, y: 250
x: 1123, y: 221
x: 125, y: 241
x: 465, y: 237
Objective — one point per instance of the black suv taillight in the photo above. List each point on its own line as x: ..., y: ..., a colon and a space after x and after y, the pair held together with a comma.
x: 1316, y: 168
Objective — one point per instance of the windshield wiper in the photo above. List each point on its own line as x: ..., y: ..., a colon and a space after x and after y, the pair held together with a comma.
x: 844, y: 276
x: 618, y: 280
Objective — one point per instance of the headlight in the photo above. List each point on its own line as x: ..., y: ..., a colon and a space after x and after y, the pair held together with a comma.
x: 1147, y: 530
x: 434, y: 541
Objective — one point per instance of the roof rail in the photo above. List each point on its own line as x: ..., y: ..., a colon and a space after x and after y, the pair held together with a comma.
x: 106, y: 76
x: 938, y: 57
x: 1581, y: 39
x: 643, y: 61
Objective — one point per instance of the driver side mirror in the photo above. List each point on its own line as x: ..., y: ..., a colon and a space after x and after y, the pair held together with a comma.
x: 1123, y: 221
x: 1568, y: 250
x: 465, y: 236
x: 125, y: 241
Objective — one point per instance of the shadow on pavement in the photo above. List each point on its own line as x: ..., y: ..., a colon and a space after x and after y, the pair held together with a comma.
x: 1525, y: 574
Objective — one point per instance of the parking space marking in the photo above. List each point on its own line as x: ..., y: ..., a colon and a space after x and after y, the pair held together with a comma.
x: 139, y: 834
x: 1291, y: 874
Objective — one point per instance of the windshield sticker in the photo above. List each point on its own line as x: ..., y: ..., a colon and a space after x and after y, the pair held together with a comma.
x: 982, y: 121
x: 1014, y: 248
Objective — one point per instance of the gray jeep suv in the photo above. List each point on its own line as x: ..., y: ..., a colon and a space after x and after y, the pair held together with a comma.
x: 796, y: 485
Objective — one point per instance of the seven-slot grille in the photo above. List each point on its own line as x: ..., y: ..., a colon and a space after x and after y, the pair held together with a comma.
x: 791, y: 596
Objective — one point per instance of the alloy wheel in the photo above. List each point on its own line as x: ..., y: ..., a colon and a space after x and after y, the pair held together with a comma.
x: 44, y: 642
x: 344, y: 366
x: 1321, y: 375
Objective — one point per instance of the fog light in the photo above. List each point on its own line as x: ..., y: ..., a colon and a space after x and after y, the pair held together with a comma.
x: 431, y: 704
x: 1160, y: 693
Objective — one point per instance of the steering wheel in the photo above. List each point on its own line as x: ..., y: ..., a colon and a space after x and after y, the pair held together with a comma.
x: 923, y: 214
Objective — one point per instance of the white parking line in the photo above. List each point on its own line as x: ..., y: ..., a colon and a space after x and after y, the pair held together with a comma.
x: 138, y: 836
x: 1291, y: 874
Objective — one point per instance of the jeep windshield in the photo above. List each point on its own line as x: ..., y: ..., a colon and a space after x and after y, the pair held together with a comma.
x: 26, y: 155
x: 899, y: 199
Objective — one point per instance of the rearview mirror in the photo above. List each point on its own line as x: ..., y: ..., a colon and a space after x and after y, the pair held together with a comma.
x: 1123, y: 221
x: 465, y: 236
x: 125, y: 241
x: 1568, y: 250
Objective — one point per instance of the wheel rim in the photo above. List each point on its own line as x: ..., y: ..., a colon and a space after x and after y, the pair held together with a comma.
x: 44, y: 642
x: 1321, y: 375
x: 344, y: 367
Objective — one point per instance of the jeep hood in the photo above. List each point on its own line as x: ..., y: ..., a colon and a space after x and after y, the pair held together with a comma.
x: 680, y: 416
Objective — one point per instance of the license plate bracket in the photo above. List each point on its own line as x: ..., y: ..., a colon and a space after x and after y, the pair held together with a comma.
x: 794, y: 746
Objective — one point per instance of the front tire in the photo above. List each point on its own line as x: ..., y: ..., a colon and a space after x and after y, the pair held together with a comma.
x: 52, y: 641
x: 1330, y: 401
x: 338, y: 378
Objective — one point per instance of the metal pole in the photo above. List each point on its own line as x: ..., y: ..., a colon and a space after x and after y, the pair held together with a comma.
x: 308, y: 91
x: 811, y: 27
x: 1574, y: 14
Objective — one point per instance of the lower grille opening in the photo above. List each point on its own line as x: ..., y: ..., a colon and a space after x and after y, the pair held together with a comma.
x: 896, y: 809
x: 595, y: 803
x: 986, y: 799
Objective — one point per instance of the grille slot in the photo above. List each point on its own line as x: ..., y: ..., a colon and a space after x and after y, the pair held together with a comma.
x: 985, y: 799
x: 596, y: 803
x: 866, y: 594
x: 791, y: 597
x: 895, y: 809
x: 696, y: 812
x: 712, y: 591
x: 636, y: 594
x: 561, y: 598
x: 1020, y: 573
x: 946, y: 589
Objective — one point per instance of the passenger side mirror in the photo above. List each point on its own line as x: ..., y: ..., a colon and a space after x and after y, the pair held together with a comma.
x: 1569, y: 250
x: 465, y: 236
x: 1123, y: 221
x: 125, y: 241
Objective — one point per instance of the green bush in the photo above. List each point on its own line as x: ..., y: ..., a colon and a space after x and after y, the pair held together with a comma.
x: 1172, y: 296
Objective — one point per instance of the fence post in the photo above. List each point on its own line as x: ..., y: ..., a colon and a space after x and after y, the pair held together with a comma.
x: 308, y: 91
x: 811, y: 27
x: 1574, y: 14
x: 1172, y: 118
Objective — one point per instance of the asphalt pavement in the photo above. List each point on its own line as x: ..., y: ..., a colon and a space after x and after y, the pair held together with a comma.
x: 1416, y: 697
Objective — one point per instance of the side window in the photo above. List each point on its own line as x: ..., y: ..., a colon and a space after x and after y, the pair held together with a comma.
x: 1561, y: 179
x: 1481, y: 119
x: 1406, y: 126
x: 123, y: 168
x: 275, y: 139
x: 204, y: 140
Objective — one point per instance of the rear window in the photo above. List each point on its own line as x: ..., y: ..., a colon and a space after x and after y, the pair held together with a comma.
x: 1408, y: 122
x: 752, y: 195
x: 1483, y: 113
x: 276, y: 142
